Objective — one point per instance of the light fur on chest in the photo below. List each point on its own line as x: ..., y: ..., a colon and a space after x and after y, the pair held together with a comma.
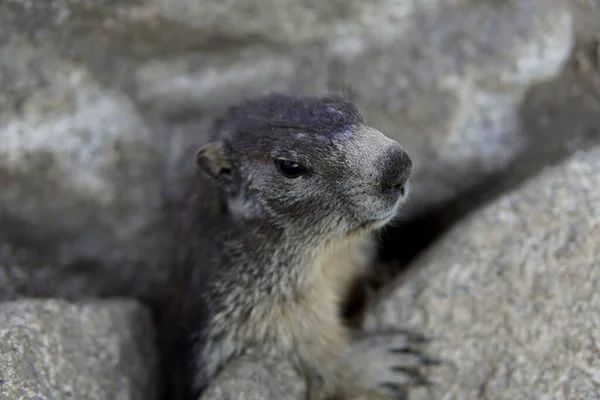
x: 312, y: 313
x: 306, y: 323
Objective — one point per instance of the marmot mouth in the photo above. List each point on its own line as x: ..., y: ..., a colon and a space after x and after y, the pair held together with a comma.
x: 380, y: 222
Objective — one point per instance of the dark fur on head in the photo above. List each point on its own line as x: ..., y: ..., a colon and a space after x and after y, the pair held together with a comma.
x: 348, y: 164
x: 326, y: 115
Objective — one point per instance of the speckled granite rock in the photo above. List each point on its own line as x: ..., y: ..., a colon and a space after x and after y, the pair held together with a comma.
x: 103, y: 103
x: 256, y: 377
x: 512, y: 293
x: 51, y: 349
x: 80, y: 171
x: 443, y: 78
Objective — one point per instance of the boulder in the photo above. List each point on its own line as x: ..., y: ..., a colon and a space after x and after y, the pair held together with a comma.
x: 52, y: 349
x: 256, y: 376
x: 511, y: 293
x: 81, y: 175
x: 104, y: 103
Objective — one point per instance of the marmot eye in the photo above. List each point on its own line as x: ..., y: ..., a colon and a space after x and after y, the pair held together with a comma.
x: 290, y: 169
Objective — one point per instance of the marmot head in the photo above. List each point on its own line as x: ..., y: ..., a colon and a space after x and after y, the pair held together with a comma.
x: 306, y: 162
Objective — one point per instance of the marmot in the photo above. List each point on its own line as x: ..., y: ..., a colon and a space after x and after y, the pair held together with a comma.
x: 277, y: 223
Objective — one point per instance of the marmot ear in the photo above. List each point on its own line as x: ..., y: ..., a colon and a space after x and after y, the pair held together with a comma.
x: 212, y: 159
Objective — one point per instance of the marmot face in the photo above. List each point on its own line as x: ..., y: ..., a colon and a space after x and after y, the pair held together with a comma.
x: 310, y: 162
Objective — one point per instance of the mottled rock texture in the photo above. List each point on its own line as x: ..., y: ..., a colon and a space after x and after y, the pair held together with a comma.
x: 51, y: 349
x: 511, y: 293
x: 102, y: 104
x: 256, y: 377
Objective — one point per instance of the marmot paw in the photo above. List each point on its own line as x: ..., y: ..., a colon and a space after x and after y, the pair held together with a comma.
x: 387, y: 363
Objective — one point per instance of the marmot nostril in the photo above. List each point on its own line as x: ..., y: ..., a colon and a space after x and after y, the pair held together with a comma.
x: 396, y: 170
x: 401, y: 188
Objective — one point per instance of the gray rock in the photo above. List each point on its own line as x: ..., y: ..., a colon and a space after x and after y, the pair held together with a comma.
x: 51, y: 349
x: 256, y: 377
x: 448, y: 87
x: 511, y: 294
x: 103, y: 104
x: 445, y: 80
x: 81, y: 172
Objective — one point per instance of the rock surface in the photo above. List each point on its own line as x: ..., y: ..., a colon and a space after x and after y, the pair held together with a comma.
x: 256, y: 377
x: 511, y: 293
x: 103, y: 103
x: 80, y: 172
x: 51, y: 349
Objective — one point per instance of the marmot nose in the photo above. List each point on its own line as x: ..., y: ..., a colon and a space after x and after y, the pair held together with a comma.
x: 396, y: 170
